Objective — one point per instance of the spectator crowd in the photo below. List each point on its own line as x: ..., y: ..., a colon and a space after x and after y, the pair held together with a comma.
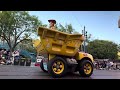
x: 6, y: 58
x: 108, y: 65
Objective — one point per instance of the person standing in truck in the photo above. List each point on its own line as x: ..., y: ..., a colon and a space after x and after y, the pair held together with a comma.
x: 52, y: 24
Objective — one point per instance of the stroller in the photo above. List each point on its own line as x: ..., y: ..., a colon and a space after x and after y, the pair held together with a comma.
x: 8, y: 58
x: 8, y: 61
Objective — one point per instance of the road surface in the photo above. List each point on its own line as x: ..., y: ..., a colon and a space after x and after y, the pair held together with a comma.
x: 26, y: 72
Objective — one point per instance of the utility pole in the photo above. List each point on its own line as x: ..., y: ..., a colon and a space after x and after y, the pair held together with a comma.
x: 119, y: 23
x: 84, y: 32
x: 85, y: 40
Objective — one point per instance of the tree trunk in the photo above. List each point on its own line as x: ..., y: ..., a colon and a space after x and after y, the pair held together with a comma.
x: 11, y: 50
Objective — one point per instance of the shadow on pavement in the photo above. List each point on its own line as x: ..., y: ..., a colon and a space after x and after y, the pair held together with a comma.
x: 73, y: 76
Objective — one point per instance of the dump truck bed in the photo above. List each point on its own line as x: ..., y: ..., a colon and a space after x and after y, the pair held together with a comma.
x: 59, y: 43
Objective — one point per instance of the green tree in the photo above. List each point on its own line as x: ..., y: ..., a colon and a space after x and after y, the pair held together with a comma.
x: 27, y: 45
x: 44, y: 25
x: 68, y: 28
x: 118, y: 47
x: 17, y: 26
x: 61, y: 28
x: 75, y: 32
x: 88, y: 38
x: 102, y: 49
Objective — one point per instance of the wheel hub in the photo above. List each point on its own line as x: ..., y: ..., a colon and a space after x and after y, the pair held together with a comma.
x: 57, y: 66
x: 87, y: 68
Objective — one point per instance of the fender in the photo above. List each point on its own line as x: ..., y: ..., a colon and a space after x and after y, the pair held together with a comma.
x: 51, y: 56
x: 81, y: 55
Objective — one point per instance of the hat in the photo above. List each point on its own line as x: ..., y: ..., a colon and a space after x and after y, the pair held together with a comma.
x: 52, y: 20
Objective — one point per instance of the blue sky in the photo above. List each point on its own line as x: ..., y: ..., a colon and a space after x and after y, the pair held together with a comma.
x: 101, y: 24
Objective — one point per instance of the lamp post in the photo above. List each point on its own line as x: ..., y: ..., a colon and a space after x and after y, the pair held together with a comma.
x: 119, y: 23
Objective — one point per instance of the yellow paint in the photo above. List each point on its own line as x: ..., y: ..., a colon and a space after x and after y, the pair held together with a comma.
x: 82, y: 55
x: 36, y: 42
x: 39, y: 46
x: 54, y: 43
x: 51, y: 56
x: 59, y: 43
x: 118, y: 55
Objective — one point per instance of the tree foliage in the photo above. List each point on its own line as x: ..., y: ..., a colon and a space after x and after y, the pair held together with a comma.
x: 68, y: 28
x: 27, y: 45
x: 17, y: 26
x: 118, y: 47
x: 101, y: 49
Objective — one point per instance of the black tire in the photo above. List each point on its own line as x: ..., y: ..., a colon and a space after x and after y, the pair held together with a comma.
x: 50, y: 67
x: 82, y: 70
x: 41, y: 66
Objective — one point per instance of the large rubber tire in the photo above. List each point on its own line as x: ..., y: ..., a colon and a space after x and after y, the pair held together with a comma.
x: 56, y: 64
x: 41, y: 66
x: 86, y: 72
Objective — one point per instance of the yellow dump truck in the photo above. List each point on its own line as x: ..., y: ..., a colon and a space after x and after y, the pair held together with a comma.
x: 63, y: 55
x: 36, y: 44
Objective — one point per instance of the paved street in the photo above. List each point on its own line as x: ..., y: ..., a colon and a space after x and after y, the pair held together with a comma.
x: 26, y: 72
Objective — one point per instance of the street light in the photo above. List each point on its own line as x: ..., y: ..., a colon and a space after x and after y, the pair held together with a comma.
x: 84, y: 32
x: 86, y: 35
x: 119, y: 23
